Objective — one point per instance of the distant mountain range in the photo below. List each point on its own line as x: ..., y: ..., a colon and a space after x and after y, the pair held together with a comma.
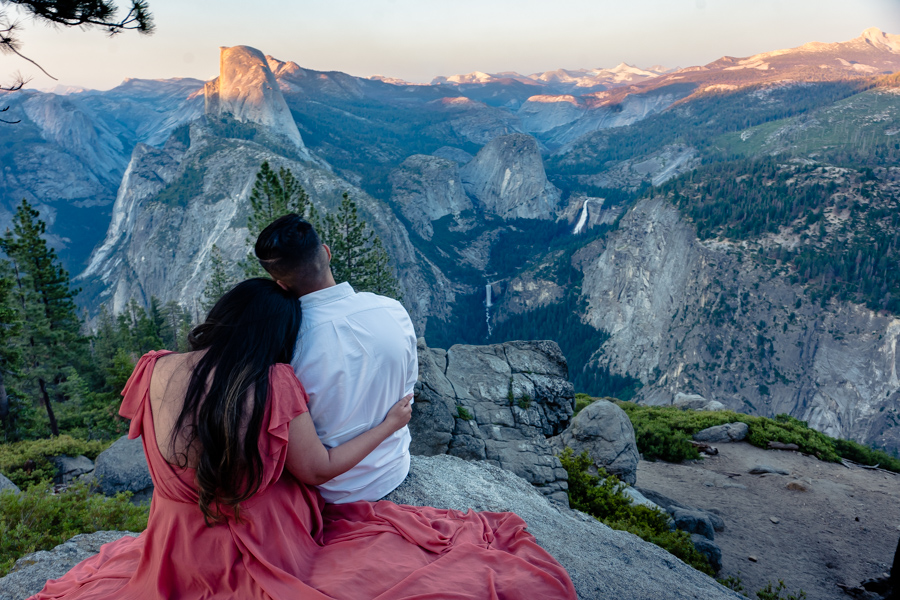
x: 724, y: 230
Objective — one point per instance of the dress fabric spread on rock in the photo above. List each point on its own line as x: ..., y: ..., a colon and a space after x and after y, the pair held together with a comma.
x: 289, y: 544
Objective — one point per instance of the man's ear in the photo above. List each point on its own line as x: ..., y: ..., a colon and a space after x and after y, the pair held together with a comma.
x: 282, y: 285
x: 327, y: 251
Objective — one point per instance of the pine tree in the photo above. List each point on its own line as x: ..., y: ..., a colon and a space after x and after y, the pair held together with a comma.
x: 218, y: 282
x: 357, y: 254
x: 176, y: 325
x: 274, y: 195
x: 9, y: 330
x: 51, y: 338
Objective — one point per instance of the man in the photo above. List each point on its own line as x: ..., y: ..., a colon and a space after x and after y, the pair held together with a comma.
x: 355, y: 356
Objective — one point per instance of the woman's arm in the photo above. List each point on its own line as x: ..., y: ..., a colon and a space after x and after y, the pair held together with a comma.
x: 310, y: 462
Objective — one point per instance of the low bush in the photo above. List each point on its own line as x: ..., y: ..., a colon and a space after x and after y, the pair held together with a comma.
x: 663, y: 432
x: 38, y: 519
x: 581, y: 402
x: 13, y: 457
x: 601, y: 496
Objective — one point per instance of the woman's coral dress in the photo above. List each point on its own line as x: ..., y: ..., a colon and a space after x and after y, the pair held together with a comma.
x: 290, y: 545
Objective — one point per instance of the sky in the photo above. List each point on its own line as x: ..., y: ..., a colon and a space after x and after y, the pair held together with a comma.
x: 417, y: 40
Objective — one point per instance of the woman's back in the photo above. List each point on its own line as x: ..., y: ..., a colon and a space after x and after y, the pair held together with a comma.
x: 168, y: 386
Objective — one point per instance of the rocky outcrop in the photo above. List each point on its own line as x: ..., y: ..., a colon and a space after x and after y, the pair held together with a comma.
x: 247, y: 91
x: 707, y: 319
x: 31, y: 572
x: 427, y: 188
x: 176, y: 203
x: 604, y: 431
x: 507, y: 177
x: 497, y: 403
x: 6, y: 484
x: 545, y: 112
x: 601, y: 562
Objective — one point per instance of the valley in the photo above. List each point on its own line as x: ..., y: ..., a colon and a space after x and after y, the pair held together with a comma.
x: 728, y: 230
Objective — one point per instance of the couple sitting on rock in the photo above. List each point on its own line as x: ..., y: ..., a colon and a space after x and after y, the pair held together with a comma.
x: 269, y: 488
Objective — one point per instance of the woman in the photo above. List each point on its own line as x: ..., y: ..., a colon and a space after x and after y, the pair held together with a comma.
x: 219, y: 425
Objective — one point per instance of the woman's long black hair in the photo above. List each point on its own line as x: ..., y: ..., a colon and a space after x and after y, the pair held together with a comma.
x: 252, y: 327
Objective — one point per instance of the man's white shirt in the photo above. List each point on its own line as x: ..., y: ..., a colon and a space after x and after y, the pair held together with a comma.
x: 356, y: 356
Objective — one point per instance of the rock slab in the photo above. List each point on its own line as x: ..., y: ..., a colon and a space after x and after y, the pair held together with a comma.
x: 498, y: 403
x: 602, y: 563
x: 31, y: 572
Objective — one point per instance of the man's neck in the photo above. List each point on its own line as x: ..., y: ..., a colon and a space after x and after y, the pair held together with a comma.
x: 325, y: 283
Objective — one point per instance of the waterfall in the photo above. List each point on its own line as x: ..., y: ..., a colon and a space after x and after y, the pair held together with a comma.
x: 487, y: 307
x: 582, y: 220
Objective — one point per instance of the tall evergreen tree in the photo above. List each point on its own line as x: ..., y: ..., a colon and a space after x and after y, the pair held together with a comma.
x: 219, y: 282
x: 274, y: 194
x: 50, y: 323
x: 10, y: 326
x: 357, y: 254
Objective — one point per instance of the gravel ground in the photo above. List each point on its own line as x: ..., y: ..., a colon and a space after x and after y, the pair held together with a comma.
x: 821, y: 525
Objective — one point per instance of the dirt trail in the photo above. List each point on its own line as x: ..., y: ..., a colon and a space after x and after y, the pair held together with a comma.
x: 835, y: 525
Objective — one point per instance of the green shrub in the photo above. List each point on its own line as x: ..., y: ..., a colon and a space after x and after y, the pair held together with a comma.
x: 463, y: 413
x: 774, y: 593
x: 662, y: 432
x: 867, y: 456
x: 38, y: 519
x: 601, y: 496
x: 581, y: 402
x: 14, y: 456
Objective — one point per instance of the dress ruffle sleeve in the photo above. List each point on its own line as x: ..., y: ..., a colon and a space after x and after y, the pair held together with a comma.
x: 135, y: 391
x: 287, y: 400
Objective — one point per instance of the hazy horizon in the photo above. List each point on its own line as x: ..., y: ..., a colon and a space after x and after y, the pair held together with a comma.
x: 417, y: 42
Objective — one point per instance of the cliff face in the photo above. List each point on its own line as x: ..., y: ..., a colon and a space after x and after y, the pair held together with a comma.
x: 507, y: 176
x: 427, y: 188
x: 246, y: 90
x: 175, y: 203
x: 690, y: 317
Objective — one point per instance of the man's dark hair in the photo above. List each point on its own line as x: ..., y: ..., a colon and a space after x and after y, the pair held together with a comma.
x: 290, y: 249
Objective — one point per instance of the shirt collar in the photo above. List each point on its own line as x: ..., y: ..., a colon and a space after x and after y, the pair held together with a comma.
x: 326, y: 295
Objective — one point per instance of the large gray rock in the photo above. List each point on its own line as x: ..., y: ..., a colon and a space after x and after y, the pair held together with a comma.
x: 729, y: 432
x: 602, y: 563
x: 497, y: 403
x: 709, y: 549
x: 123, y: 468
x: 695, y: 402
x: 6, y: 484
x: 605, y: 432
x: 508, y: 178
x: 70, y: 467
x: 694, y: 521
x: 31, y: 572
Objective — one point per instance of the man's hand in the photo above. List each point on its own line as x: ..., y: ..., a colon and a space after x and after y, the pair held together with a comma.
x: 400, y: 413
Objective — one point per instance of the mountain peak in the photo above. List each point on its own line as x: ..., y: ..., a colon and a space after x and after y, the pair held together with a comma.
x: 247, y: 90
x: 881, y: 40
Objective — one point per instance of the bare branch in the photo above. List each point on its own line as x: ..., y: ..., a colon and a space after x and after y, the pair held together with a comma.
x: 23, y: 57
x: 4, y: 120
